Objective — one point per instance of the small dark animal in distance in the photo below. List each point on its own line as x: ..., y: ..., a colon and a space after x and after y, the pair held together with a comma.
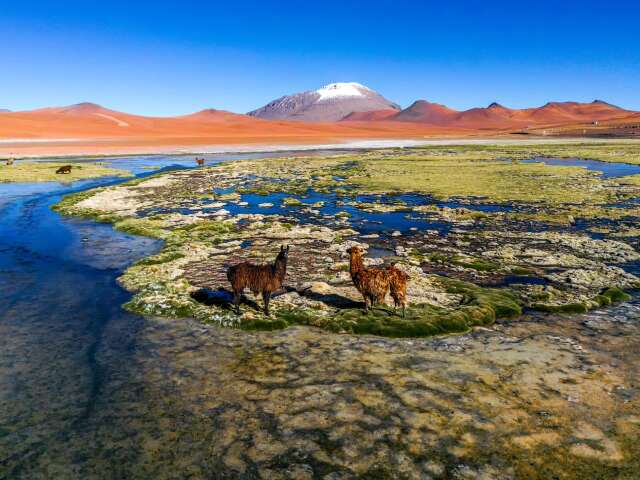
x: 200, y: 161
x: 64, y: 169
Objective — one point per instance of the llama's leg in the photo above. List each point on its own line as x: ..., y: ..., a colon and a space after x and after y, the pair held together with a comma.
x: 266, y: 296
x: 366, y: 306
x: 236, y: 300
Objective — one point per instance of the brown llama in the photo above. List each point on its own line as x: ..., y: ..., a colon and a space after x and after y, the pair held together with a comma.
x: 64, y: 169
x: 200, y: 161
x: 374, y: 283
x: 398, y: 288
x: 264, y: 279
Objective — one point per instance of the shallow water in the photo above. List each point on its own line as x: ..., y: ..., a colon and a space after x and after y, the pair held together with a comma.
x: 88, y: 390
x: 608, y: 169
x: 138, y: 164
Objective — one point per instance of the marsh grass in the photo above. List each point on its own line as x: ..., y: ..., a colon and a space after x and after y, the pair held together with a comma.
x: 606, y: 297
x: 46, y: 172
x: 472, y: 173
x: 496, y: 181
x: 480, y: 306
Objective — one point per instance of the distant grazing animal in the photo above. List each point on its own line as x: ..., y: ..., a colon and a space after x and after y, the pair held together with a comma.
x: 64, y: 169
x: 264, y: 279
x: 9, y: 161
x: 374, y: 283
x: 200, y: 161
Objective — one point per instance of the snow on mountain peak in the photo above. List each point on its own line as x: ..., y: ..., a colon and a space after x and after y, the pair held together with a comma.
x: 346, y: 89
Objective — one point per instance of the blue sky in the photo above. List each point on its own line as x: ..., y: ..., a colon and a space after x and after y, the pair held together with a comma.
x: 169, y: 58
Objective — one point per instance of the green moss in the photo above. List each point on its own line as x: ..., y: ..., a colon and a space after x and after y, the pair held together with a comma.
x: 501, y: 300
x: 420, y: 321
x: 142, y: 227
x: 616, y: 295
x: 292, y: 202
x: 566, y: 308
x: 205, y: 230
x: 480, y: 306
x: 602, y: 301
x: 521, y: 271
x: 476, y: 264
x: 164, y: 257
x: 256, y: 190
x: 264, y: 324
x: 607, y: 297
x: 438, y: 258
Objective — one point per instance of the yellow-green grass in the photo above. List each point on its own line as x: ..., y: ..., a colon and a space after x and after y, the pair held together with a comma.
x: 46, y: 172
x: 630, y: 180
x: 615, y: 152
x: 497, y: 181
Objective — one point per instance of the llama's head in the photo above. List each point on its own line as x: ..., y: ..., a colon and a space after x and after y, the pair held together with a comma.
x: 354, y: 251
x: 284, y: 252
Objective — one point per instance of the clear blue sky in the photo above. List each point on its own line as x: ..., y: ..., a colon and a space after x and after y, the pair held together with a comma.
x: 167, y: 58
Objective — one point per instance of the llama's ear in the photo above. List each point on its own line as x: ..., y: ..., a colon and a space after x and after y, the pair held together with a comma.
x: 282, y: 248
x: 288, y: 248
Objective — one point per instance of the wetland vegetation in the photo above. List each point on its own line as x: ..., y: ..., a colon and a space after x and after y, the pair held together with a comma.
x: 26, y: 171
x: 481, y: 234
x: 538, y: 388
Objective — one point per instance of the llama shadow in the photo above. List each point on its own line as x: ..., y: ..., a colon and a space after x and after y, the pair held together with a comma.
x: 223, y: 298
x: 332, y: 300
x: 346, y: 303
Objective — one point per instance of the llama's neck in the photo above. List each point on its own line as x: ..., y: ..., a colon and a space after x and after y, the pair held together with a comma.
x: 280, y: 268
x: 355, y: 264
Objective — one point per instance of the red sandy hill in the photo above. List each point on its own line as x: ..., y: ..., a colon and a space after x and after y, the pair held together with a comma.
x: 91, y: 121
x: 88, y: 121
x: 498, y: 117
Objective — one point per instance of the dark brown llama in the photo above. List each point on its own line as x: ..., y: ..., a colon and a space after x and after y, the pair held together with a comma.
x: 264, y: 279
x: 200, y: 161
x: 374, y: 283
x: 64, y: 169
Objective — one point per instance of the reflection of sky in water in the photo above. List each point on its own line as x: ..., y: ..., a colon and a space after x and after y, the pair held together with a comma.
x: 12, y: 191
x: 609, y: 170
x: 146, y: 163
x: 99, y: 246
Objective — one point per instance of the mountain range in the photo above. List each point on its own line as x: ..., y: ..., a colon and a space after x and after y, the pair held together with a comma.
x: 496, y: 116
x: 336, y: 111
x: 356, y: 103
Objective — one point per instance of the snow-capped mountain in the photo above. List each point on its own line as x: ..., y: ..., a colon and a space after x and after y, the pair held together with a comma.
x: 327, y: 104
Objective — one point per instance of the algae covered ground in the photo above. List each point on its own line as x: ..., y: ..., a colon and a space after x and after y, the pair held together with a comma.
x: 481, y: 234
